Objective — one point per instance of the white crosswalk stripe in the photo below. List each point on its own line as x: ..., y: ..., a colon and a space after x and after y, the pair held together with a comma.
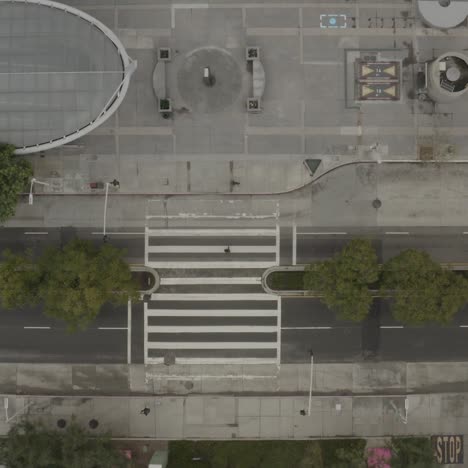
x: 199, y: 316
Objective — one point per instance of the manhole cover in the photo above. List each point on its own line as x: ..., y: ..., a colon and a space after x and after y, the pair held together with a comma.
x: 93, y: 424
x: 376, y: 203
x: 215, y: 94
x: 188, y: 385
x: 61, y: 423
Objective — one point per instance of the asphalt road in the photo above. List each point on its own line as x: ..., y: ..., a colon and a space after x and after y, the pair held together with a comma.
x: 27, y: 335
x: 305, y: 323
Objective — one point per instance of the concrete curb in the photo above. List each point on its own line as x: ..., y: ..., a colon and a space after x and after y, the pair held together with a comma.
x: 149, y: 270
x: 276, y: 292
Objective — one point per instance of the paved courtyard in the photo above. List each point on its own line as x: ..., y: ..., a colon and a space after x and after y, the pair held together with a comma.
x: 308, y: 50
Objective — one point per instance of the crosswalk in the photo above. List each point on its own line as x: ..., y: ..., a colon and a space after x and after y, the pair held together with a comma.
x: 210, y: 306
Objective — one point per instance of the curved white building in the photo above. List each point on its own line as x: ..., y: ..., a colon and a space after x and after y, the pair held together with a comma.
x: 62, y: 74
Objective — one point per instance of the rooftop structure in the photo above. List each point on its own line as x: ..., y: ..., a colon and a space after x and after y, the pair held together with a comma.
x: 62, y: 74
x: 443, y: 14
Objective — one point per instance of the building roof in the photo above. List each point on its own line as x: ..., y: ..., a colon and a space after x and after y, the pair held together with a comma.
x: 62, y: 73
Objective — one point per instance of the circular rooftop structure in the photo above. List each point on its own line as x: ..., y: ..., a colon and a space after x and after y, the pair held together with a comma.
x: 62, y: 74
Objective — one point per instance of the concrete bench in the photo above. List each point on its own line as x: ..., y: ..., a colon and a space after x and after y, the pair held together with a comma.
x: 159, y: 81
x: 252, y: 54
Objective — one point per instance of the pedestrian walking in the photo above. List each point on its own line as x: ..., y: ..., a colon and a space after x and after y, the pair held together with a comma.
x: 227, y: 249
x: 145, y: 411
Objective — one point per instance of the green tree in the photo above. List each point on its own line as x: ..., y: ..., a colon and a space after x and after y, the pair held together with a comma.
x: 30, y: 445
x: 345, y: 279
x: 414, y: 452
x: 423, y: 291
x: 19, y: 280
x: 72, y: 283
x: 15, y: 174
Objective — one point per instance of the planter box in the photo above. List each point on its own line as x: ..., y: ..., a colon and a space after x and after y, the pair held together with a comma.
x: 165, y: 105
x: 254, y: 105
x: 164, y: 54
x: 252, y: 53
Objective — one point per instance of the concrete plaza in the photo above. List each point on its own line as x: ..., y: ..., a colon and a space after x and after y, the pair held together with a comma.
x: 309, y: 107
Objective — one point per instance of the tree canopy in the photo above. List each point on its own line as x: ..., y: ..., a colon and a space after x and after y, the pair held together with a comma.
x: 15, y: 174
x: 423, y: 291
x: 345, y: 279
x: 72, y: 282
x: 30, y: 445
x: 415, y: 452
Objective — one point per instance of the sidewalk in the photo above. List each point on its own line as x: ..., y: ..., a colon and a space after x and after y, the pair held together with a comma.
x: 291, y: 379
x: 410, y: 194
x: 264, y: 417
x: 242, y: 402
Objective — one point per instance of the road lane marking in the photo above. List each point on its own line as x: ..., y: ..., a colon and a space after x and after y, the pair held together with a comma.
x: 322, y: 233
x: 31, y: 233
x: 397, y: 233
x: 392, y: 326
x: 37, y: 328
x: 211, y: 232
x: 306, y: 328
x: 278, y: 241
x: 212, y: 297
x: 463, y: 326
x: 210, y: 280
x: 212, y: 345
x: 294, y: 244
x: 212, y: 329
x: 211, y: 313
x: 112, y: 328
x: 110, y: 233
x: 225, y: 360
x: 209, y: 264
x: 129, y: 332
x: 278, y: 333
x: 211, y: 249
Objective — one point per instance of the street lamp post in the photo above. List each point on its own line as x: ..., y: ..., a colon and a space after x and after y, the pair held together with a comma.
x: 115, y: 183
x: 311, y: 381
x: 34, y: 181
x: 405, y: 419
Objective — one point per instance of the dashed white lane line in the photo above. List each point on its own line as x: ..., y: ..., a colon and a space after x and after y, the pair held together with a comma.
x: 31, y: 233
x: 463, y: 326
x: 210, y: 280
x: 322, y: 233
x: 397, y: 233
x: 212, y: 297
x: 112, y: 328
x: 391, y: 326
x: 212, y: 329
x: 210, y: 313
x: 306, y: 328
x: 37, y: 328
x: 211, y: 249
